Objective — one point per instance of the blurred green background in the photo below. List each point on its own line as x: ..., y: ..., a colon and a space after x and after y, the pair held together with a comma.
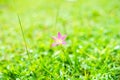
x: 93, y: 41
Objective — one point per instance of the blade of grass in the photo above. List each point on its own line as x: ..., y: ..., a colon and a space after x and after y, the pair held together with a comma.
x: 24, y: 39
x: 21, y: 28
x: 23, y: 35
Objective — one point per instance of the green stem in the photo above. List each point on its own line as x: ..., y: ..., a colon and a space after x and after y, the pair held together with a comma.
x: 23, y: 35
x: 26, y: 48
x: 56, y: 18
x: 66, y: 56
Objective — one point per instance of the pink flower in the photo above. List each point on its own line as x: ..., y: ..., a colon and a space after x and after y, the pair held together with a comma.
x: 59, y: 40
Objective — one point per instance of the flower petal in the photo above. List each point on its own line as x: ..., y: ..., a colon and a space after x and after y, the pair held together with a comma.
x: 64, y: 42
x: 54, y: 44
x: 59, y: 35
x: 54, y: 38
x: 63, y: 37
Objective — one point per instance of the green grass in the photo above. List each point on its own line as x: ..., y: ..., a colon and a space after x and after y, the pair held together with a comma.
x: 92, y: 51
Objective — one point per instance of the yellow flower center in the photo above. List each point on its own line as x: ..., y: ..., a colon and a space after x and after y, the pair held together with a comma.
x: 59, y: 41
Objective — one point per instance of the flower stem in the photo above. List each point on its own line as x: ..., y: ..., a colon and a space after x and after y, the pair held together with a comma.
x: 66, y: 56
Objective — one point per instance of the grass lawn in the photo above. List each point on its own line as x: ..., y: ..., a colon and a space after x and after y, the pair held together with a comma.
x: 92, y: 49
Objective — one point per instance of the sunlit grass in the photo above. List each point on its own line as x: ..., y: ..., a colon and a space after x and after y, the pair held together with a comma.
x: 92, y: 50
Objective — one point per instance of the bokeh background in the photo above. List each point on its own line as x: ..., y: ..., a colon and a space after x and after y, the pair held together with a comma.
x: 93, y: 41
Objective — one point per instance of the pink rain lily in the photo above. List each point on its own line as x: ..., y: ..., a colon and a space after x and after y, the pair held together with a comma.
x: 59, y: 40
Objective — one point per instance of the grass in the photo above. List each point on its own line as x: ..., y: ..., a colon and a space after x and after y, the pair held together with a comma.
x: 92, y: 51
